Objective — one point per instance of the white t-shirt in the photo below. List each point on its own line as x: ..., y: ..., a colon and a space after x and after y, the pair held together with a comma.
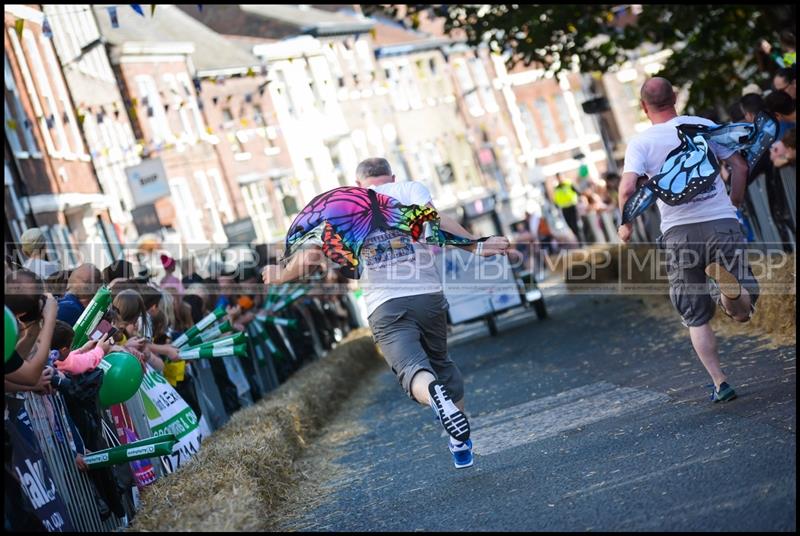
x: 42, y: 268
x: 646, y: 154
x: 394, y: 264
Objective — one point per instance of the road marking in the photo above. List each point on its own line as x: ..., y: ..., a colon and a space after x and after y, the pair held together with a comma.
x: 546, y: 417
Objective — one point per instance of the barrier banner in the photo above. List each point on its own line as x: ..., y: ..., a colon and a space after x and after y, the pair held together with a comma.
x: 32, y: 471
x: 168, y: 413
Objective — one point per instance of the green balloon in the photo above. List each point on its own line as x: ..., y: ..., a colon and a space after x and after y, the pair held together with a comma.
x: 583, y: 171
x: 123, y: 376
x: 10, y: 333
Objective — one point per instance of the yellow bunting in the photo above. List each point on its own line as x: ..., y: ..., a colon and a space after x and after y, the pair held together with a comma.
x: 134, y: 101
x: 11, y: 124
x: 18, y: 25
x: 250, y: 71
x: 152, y: 9
x: 373, y: 33
x: 104, y: 152
x: 132, y: 112
x: 209, y: 130
x: 228, y: 98
x: 243, y: 122
x: 139, y: 148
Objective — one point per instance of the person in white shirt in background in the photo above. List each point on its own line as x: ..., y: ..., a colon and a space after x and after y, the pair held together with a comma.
x: 702, y: 236
x: 406, y: 304
x: 33, y: 244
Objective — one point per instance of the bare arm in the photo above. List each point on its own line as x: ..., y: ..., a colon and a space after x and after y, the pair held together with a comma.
x: 738, y: 178
x: 299, y: 266
x: 31, y: 370
x: 627, y: 187
x: 496, y: 245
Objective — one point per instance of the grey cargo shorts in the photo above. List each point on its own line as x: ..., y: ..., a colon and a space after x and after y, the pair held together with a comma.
x: 690, y: 248
x: 411, y: 332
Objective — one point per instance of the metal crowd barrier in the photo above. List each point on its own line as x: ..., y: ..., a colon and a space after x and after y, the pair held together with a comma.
x: 74, y: 487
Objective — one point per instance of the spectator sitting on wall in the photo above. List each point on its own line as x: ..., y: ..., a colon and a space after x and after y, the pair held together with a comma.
x: 33, y: 243
x: 81, y: 287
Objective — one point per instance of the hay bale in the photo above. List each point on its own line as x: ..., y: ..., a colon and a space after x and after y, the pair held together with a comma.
x: 246, y: 468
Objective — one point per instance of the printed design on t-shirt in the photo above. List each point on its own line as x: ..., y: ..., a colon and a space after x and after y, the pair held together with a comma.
x: 386, y: 248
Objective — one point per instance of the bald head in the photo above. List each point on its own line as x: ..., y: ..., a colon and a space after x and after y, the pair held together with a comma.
x: 84, y: 281
x: 657, y: 95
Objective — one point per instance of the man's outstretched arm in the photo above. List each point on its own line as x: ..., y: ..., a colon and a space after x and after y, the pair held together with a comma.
x: 303, y: 263
x: 495, y: 245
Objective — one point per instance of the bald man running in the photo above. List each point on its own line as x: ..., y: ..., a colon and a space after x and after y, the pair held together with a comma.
x: 702, y: 237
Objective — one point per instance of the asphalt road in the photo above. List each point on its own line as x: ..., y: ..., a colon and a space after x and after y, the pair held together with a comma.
x: 595, y: 419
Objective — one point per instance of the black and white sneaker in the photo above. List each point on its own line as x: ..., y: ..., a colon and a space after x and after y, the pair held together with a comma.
x: 453, y: 419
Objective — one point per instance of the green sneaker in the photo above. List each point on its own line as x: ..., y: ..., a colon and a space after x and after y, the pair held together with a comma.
x: 724, y: 394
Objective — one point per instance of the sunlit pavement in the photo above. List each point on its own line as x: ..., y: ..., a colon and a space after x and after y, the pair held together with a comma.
x: 594, y: 419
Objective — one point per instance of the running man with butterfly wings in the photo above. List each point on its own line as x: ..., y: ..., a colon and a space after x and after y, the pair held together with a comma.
x: 380, y: 233
x: 705, y: 246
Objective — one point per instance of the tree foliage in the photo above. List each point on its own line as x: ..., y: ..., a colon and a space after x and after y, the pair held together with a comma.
x: 714, y: 45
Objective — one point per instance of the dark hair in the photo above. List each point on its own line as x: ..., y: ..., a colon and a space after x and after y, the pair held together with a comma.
x: 710, y: 114
x: 151, y: 296
x: 790, y: 138
x: 196, y: 303
x: 752, y: 103
x: 735, y: 112
x: 118, y: 269
x: 24, y: 292
x: 56, y: 284
x: 780, y: 102
x: 787, y: 39
x: 62, y: 335
x: 787, y: 73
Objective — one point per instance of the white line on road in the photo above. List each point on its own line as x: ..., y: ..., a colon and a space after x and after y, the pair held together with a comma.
x: 551, y: 415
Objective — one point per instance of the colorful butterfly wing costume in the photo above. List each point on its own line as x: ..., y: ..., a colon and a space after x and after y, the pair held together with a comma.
x: 692, y: 168
x: 342, y: 218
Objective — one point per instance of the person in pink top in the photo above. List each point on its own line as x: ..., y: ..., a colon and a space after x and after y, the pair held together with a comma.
x: 81, y: 360
x: 170, y: 280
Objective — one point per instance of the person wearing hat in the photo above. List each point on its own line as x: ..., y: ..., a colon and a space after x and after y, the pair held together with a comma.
x: 34, y: 242
x: 170, y: 280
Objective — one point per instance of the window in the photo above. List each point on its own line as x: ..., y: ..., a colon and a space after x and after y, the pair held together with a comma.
x: 399, y: 98
x: 566, y: 121
x: 589, y: 125
x: 32, y: 93
x: 412, y: 89
x: 179, y: 104
x: 259, y: 207
x: 63, y: 96
x: 149, y: 97
x: 23, y: 124
x: 546, y: 121
x: 189, y: 218
x: 53, y: 118
x: 531, y: 130
x: 258, y: 116
x: 191, y: 103
x: 468, y: 89
x: 211, y: 206
x: 219, y: 186
x: 484, y: 85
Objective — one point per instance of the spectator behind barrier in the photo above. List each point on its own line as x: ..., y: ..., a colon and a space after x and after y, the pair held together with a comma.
x: 82, y: 285
x: 33, y: 245
x: 784, y: 80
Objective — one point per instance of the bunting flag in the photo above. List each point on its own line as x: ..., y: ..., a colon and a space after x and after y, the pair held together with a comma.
x: 10, y: 123
x: 196, y: 81
x: 134, y: 101
x: 27, y: 123
x: 264, y: 70
x: 81, y: 117
x: 152, y: 10
x: 100, y: 116
x: 209, y: 130
x: 373, y: 33
x: 166, y: 107
x: 132, y: 112
x: 215, y: 100
x: 248, y: 98
x: 150, y: 111
x: 250, y: 71
x: 112, y: 14
x: 46, y: 30
x: 51, y: 121
x: 228, y: 98
x: 138, y: 9
x: 200, y: 105
x: 243, y: 122
x: 65, y: 118
x: 199, y: 7
x: 19, y: 24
